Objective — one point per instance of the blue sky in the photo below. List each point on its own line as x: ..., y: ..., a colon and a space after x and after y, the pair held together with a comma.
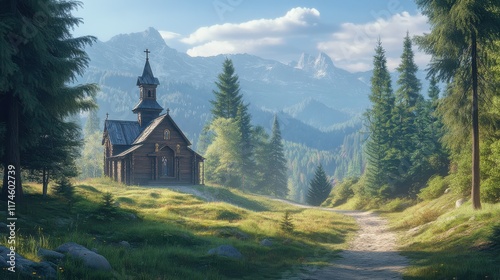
x: 273, y: 29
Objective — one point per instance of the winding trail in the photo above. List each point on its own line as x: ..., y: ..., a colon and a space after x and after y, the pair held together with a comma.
x: 371, y: 255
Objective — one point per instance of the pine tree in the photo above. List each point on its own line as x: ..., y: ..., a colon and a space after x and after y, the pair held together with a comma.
x: 277, y: 168
x: 39, y: 90
x: 54, y: 153
x: 319, y: 187
x: 261, y: 154
x: 382, y: 163
x: 408, y: 106
x: 461, y: 32
x: 90, y: 161
x: 247, y: 146
x: 286, y: 224
x: 93, y: 123
x: 227, y: 97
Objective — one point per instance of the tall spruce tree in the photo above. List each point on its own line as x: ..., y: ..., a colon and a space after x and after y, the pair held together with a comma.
x: 36, y: 68
x: 247, y: 147
x: 381, y: 169
x: 409, y: 104
x: 319, y: 188
x: 227, y: 97
x: 461, y: 32
x: 277, y: 170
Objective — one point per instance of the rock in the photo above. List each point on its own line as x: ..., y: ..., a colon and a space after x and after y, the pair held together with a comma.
x: 130, y: 216
x: 447, y: 190
x: 124, y: 244
x: 226, y: 251
x: 90, y: 259
x: 49, y: 255
x: 459, y: 202
x: 42, y: 270
x: 266, y: 242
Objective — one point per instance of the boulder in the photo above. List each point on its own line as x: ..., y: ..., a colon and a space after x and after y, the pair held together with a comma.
x: 124, y: 244
x: 459, y: 202
x: 42, y: 270
x: 266, y: 242
x: 49, y: 255
x: 226, y: 251
x: 90, y: 259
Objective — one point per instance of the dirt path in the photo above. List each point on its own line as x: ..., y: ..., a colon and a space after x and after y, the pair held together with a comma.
x: 371, y: 255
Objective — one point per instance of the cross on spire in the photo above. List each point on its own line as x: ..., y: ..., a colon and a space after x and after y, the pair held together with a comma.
x: 107, y: 115
x: 147, y: 54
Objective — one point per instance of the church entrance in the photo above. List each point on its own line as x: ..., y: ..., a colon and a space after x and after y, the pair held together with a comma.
x: 166, y: 163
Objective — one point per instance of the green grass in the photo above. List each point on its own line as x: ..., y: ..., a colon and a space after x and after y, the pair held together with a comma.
x: 444, y: 242
x: 171, y: 232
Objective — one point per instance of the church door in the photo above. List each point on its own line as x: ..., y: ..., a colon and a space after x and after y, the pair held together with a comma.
x: 166, y: 163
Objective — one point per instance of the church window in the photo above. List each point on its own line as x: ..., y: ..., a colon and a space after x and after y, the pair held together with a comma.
x: 164, y: 165
x: 149, y: 93
x: 166, y: 134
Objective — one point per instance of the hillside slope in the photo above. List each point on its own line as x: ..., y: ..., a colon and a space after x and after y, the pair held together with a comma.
x: 170, y: 233
x: 448, y: 242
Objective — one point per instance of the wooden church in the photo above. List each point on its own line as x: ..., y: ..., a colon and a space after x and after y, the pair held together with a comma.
x: 152, y: 150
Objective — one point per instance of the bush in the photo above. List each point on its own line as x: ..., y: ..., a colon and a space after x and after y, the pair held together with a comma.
x: 342, y: 191
x: 396, y: 204
x: 490, y: 191
x: 435, y: 188
x: 107, y: 209
x: 65, y: 190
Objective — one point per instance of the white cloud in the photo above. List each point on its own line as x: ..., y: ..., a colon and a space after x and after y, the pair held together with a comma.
x: 352, y: 47
x: 253, y: 36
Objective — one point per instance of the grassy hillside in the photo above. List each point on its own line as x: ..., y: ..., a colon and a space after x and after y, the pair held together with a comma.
x: 170, y: 232
x: 445, y: 242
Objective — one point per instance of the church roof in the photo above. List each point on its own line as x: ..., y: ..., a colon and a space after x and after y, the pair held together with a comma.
x: 151, y: 127
x: 127, y: 151
x: 150, y: 104
x: 147, y: 77
x: 122, y: 132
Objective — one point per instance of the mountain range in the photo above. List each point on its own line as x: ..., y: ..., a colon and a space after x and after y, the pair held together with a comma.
x: 314, y: 99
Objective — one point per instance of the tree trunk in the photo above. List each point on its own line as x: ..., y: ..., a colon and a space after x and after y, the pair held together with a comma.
x: 45, y: 181
x: 12, y: 175
x: 475, y: 192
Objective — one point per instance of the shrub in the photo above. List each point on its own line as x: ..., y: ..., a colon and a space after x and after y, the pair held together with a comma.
x: 343, y: 191
x: 65, y: 190
x: 107, y: 209
x: 435, y: 188
x: 396, y: 204
x: 286, y: 224
x: 490, y: 191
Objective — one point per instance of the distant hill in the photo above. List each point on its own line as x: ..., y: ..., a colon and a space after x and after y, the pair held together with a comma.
x: 186, y: 85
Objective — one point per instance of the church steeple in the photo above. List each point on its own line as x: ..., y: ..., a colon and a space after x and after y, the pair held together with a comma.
x: 147, y: 109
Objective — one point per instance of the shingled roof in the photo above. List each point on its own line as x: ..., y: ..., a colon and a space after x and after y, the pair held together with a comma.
x: 147, y: 77
x: 122, y: 132
x: 147, y: 131
x: 150, y: 104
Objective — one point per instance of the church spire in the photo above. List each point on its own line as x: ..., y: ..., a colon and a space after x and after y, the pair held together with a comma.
x: 147, y: 109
